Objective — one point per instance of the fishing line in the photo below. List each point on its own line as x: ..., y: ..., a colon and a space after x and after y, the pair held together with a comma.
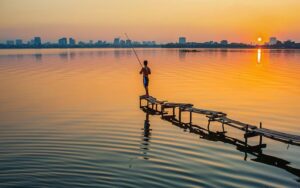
x: 137, y: 57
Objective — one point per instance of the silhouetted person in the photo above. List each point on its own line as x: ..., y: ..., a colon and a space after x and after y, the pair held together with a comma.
x: 146, y: 71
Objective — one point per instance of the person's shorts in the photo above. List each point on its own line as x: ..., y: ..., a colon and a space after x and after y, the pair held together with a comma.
x: 146, y: 81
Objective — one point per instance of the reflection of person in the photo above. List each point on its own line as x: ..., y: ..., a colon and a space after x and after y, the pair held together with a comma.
x: 146, y: 71
x: 146, y: 135
x: 146, y: 128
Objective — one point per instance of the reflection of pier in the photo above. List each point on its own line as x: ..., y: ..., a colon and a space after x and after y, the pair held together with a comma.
x: 249, y: 130
x: 152, y: 107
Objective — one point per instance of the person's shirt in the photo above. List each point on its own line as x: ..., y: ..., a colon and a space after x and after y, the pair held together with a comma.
x: 145, y: 71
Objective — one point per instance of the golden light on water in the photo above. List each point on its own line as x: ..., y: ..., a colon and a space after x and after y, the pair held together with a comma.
x: 258, y: 55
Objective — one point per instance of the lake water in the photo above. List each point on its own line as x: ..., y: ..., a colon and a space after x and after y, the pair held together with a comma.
x: 71, y: 118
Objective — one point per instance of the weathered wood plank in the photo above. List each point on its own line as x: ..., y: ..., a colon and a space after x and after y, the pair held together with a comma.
x: 205, y: 112
x: 152, y: 100
x: 170, y: 104
x: 231, y: 121
x: 279, y: 135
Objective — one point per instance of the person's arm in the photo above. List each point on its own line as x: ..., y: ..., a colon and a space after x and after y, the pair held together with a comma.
x: 149, y: 70
x: 141, y: 71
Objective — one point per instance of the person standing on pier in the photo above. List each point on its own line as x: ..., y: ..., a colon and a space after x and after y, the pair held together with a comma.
x: 146, y: 71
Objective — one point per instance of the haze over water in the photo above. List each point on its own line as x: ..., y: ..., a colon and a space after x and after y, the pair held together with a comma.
x: 71, y: 117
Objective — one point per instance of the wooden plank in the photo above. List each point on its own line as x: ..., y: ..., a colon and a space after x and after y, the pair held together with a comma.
x: 205, y: 112
x: 152, y: 100
x: 279, y: 135
x: 168, y: 104
x: 227, y: 120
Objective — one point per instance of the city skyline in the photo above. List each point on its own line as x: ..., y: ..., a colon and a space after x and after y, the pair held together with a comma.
x: 182, y: 42
x: 63, y: 40
x: 162, y: 21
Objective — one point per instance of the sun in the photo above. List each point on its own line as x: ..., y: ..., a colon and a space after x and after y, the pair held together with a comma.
x: 259, y: 39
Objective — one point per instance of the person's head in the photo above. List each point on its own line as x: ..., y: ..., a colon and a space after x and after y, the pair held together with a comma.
x: 145, y: 63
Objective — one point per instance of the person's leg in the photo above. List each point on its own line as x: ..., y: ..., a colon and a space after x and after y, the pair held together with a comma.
x: 146, y: 83
x: 147, y: 92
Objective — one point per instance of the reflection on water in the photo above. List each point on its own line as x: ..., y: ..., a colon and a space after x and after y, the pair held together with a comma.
x: 241, y: 145
x: 258, y: 55
x: 78, y: 123
x: 146, y: 136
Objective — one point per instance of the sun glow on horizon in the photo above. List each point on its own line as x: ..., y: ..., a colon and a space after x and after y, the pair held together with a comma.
x: 259, y: 39
x: 162, y: 22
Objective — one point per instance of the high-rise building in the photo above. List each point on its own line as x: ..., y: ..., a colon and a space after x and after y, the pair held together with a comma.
x: 19, y: 42
x: 117, y: 41
x: 182, y: 40
x: 62, y: 41
x: 72, y: 41
x: 273, y: 41
x: 37, y: 41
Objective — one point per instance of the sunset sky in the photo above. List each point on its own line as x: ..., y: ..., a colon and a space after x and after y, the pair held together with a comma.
x: 160, y: 20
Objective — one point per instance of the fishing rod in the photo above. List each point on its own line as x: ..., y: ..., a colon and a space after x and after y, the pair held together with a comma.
x: 137, y: 57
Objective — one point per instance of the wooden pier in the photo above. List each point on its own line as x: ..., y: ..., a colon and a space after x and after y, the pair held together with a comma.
x: 159, y: 107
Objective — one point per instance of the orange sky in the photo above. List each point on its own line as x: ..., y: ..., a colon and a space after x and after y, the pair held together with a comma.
x: 160, y: 20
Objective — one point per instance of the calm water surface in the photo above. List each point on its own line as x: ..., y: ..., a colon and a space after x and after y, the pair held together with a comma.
x: 70, y: 118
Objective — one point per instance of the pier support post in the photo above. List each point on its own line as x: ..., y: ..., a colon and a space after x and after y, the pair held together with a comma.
x: 140, y: 103
x: 246, y: 137
x: 260, y: 136
x: 208, y: 124
x: 173, y: 111
x: 162, y: 111
x: 223, y: 126
x: 191, y: 117
x: 179, y: 114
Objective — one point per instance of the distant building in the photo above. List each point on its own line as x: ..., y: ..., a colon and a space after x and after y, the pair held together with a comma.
x: 72, y: 41
x: 117, y: 41
x: 30, y: 42
x: 122, y: 42
x: 128, y: 42
x: 146, y: 43
x: 273, y: 41
x: 10, y: 42
x: 99, y: 42
x: 182, y: 40
x: 81, y: 43
x: 19, y: 42
x: 136, y: 43
x: 149, y: 43
x: 62, y: 41
x: 224, y: 42
x: 37, y: 41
